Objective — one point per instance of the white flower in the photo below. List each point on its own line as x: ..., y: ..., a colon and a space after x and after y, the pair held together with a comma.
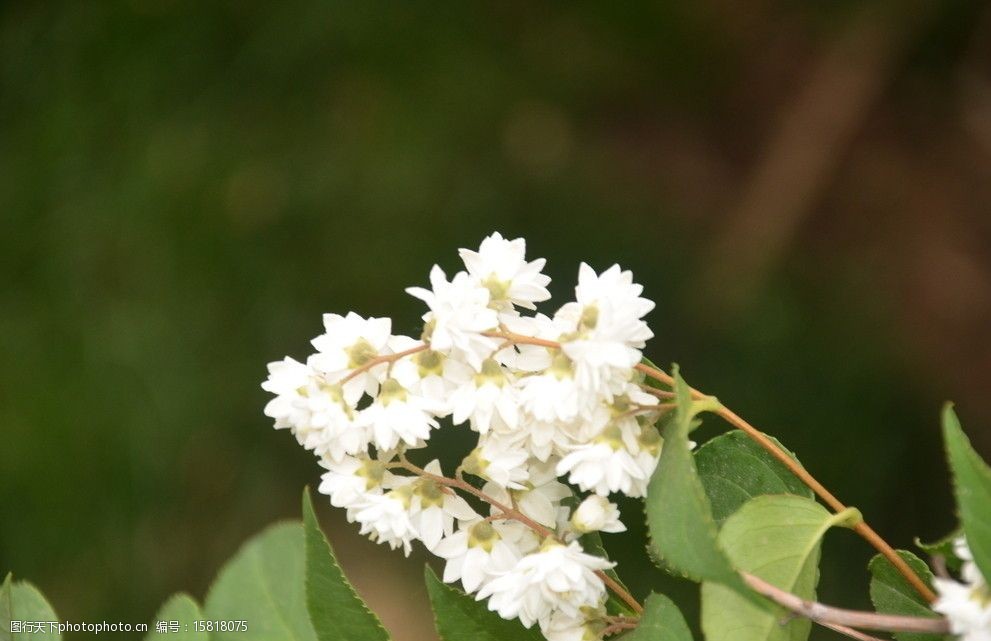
x: 966, y: 605
x: 433, y: 508
x: 545, y: 441
x: 500, y: 266
x: 540, y: 499
x: 286, y: 379
x: 334, y: 431
x: 556, y: 578
x: 385, y: 519
x: 608, y: 330
x: 459, y: 314
x: 349, y: 481
x: 499, y: 460
x: 969, y: 571
x: 621, y: 459
x: 479, y: 551
x: 553, y: 396
x: 968, y: 609
x: 614, y: 291
x: 597, y: 514
x: 542, y: 440
x: 430, y: 374
x: 561, y: 627
x: 526, y: 357
x: 316, y: 412
x: 350, y: 342
x: 397, y: 415
x: 489, y: 395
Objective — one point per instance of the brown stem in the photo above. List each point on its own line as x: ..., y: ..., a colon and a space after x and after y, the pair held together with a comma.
x: 615, y: 628
x: 385, y: 358
x: 850, y: 632
x: 821, y: 613
x: 864, y: 530
x: 620, y: 619
x: 514, y: 514
x: 660, y: 409
x: 861, y: 528
x: 659, y: 393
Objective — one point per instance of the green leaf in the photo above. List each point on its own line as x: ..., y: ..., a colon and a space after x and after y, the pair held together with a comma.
x: 777, y: 538
x: 182, y: 610
x: 336, y: 610
x: 22, y: 602
x: 679, y: 518
x: 944, y: 548
x: 892, y: 594
x: 661, y: 621
x: 263, y: 585
x: 972, y: 481
x: 734, y: 469
x: 459, y: 617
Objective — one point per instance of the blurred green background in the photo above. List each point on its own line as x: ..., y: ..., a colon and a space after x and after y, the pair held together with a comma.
x: 185, y: 187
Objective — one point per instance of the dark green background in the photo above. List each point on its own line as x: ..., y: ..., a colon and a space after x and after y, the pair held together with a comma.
x: 185, y: 187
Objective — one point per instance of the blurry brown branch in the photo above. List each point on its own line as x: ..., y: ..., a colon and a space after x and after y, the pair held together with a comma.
x: 803, y: 152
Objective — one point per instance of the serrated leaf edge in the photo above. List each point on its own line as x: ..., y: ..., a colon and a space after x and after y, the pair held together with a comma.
x: 308, y: 501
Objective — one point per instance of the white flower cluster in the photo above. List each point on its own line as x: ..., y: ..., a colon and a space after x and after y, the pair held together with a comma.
x: 549, y: 397
x: 966, y: 603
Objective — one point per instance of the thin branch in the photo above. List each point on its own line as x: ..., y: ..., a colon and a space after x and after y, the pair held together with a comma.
x: 861, y: 528
x: 659, y: 393
x: 523, y: 340
x: 514, y: 514
x: 385, y: 358
x: 826, y: 614
x: 850, y: 632
x: 616, y: 628
x: 620, y: 619
x: 640, y: 410
x: 471, y: 489
x: 864, y: 530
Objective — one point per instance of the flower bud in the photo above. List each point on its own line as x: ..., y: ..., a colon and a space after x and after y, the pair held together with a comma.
x: 597, y: 514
